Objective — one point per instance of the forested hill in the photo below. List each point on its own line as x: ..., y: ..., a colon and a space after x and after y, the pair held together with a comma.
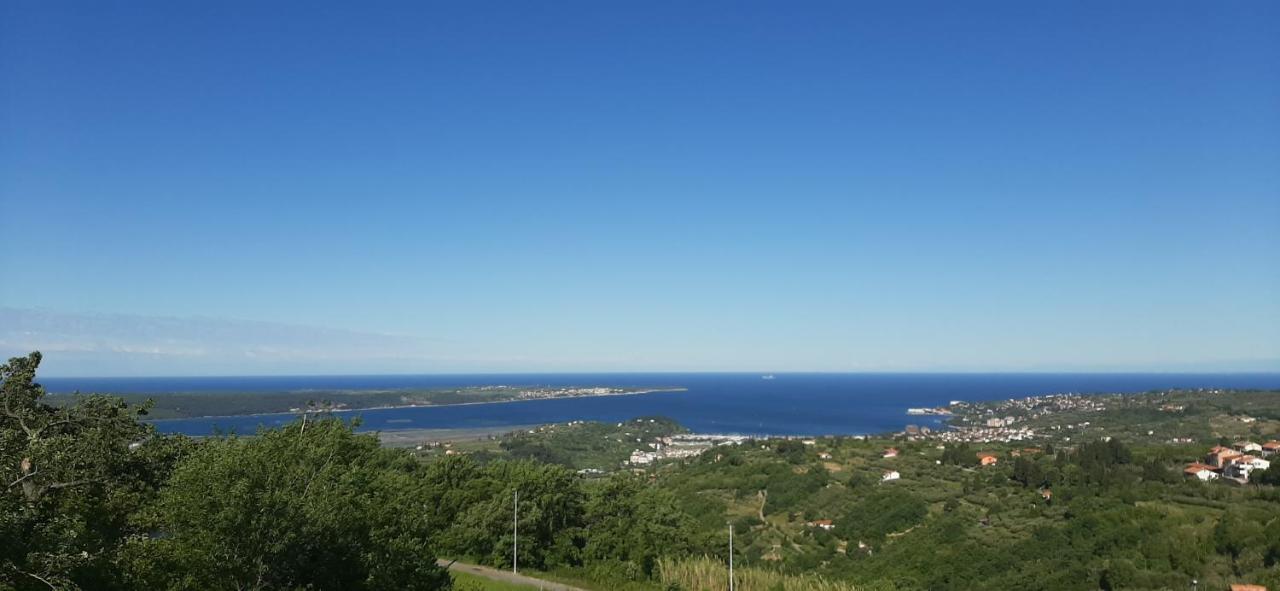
x: 95, y: 499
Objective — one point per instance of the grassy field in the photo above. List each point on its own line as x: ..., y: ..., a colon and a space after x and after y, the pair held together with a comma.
x: 469, y: 582
x: 708, y: 573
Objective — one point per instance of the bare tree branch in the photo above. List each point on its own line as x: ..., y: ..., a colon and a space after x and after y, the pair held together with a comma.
x: 19, y: 481
x: 58, y: 485
x: 22, y: 423
x: 41, y: 430
x: 38, y: 578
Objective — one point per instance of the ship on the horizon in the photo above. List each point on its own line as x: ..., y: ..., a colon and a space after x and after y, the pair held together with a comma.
x: 767, y: 376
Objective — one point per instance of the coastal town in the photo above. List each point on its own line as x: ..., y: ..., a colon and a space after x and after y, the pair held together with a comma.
x: 542, y: 393
x: 686, y: 445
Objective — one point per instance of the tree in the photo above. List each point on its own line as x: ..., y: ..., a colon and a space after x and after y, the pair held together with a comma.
x: 958, y: 455
x: 1237, y: 531
x: 881, y: 513
x: 628, y: 520
x: 794, y: 451
x: 71, y: 477
x: 322, y: 508
x: 453, y: 484
x: 551, y: 516
x: 1155, y: 471
x: 1028, y: 472
x: 1270, y: 476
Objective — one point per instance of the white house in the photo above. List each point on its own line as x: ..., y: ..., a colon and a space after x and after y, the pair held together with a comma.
x: 1247, y: 446
x: 890, y: 475
x: 1200, y: 472
x: 1241, y: 467
x: 1256, y: 462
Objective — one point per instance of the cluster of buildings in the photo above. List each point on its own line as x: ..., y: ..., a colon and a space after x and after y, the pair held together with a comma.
x: 686, y: 445
x: 1002, y: 434
x: 1000, y: 422
x: 1235, y: 462
x: 540, y: 393
x: 1035, y: 406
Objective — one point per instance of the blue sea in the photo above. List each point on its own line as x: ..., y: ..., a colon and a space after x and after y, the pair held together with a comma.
x: 791, y: 403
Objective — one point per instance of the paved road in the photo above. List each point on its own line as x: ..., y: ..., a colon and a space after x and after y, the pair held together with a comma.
x: 506, y: 575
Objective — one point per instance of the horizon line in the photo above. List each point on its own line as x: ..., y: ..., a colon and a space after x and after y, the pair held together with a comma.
x: 1275, y: 372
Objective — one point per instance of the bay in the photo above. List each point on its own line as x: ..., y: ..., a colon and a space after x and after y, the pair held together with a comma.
x: 741, y: 403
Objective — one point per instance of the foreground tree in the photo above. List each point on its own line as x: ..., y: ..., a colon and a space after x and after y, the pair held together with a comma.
x: 551, y: 516
x: 634, y: 523
x: 293, y: 508
x: 71, y: 477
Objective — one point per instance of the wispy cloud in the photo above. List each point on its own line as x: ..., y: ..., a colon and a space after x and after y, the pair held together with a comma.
x: 121, y: 344
x: 139, y: 345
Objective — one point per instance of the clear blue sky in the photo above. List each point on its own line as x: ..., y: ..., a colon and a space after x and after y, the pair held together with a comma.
x: 251, y: 187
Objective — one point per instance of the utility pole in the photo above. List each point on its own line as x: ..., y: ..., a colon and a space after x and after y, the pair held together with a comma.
x: 730, y: 557
x: 515, y: 533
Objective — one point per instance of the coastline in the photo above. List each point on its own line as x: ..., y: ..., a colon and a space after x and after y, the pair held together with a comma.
x: 398, y: 406
x: 809, y: 405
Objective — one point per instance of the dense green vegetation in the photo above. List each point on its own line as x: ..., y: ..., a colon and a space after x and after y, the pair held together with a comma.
x: 1114, y: 517
x: 96, y: 499
x: 587, y: 445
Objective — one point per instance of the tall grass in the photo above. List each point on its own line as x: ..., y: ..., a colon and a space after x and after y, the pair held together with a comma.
x: 709, y: 574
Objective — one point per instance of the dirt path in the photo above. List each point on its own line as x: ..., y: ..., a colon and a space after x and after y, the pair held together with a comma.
x: 506, y: 575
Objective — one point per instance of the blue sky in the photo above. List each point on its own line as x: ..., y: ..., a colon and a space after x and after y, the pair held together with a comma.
x: 312, y: 187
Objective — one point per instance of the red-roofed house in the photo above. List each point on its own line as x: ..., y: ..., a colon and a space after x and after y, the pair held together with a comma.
x: 1220, y: 456
x: 891, y: 452
x: 1200, y: 471
x: 1270, y: 448
x: 987, y: 459
x: 1240, y: 467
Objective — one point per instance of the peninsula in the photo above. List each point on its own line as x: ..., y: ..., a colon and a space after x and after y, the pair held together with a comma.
x: 181, y: 405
